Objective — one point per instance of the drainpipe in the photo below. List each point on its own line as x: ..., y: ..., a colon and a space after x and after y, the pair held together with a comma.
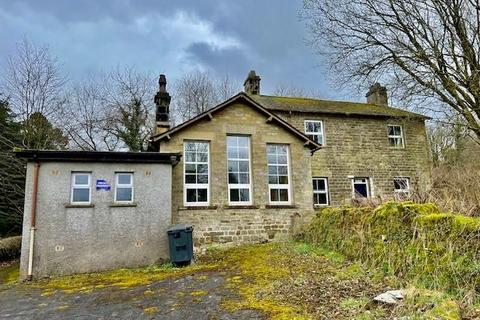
x: 33, y: 220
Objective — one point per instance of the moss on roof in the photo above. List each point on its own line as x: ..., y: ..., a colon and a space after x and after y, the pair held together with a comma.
x: 329, y: 106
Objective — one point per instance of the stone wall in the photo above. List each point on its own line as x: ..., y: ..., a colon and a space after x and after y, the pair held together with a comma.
x: 220, y: 222
x: 103, y: 235
x: 358, y: 146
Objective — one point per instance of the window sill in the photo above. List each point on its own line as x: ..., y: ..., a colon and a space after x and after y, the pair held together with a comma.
x: 73, y: 205
x: 280, y: 206
x: 198, y: 208
x: 241, y: 207
x: 121, y: 205
x: 320, y: 206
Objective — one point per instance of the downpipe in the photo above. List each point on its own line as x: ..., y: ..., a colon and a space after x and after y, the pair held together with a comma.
x: 33, y: 221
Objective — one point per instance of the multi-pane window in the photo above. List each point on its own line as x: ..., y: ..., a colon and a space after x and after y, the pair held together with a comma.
x: 239, y: 180
x: 361, y: 187
x: 320, y: 191
x: 278, y: 174
x: 124, y: 187
x: 314, y: 130
x: 196, y: 172
x: 401, y: 185
x: 81, y: 188
x: 395, y: 136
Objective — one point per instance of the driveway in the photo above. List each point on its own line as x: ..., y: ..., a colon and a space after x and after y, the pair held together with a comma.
x: 193, y: 296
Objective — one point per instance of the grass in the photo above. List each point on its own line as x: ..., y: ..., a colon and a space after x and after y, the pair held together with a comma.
x: 10, y: 272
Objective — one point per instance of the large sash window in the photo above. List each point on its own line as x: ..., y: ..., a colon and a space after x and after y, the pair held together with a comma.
x: 278, y: 174
x: 239, y: 175
x: 196, y: 173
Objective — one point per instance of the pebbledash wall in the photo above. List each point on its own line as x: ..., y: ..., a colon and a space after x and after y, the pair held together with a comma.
x: 358, y: 146
x: 103, y: 235
x: 221, y: 223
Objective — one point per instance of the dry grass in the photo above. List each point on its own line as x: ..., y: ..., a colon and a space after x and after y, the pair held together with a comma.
x: 10, y: 248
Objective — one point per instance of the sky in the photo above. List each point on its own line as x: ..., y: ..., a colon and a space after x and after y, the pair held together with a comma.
x: 172, y: 37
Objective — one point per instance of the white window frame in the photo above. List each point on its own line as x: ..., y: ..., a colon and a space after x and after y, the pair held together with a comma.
x: 394, y: 136
x: 326, y: 192
x: 280, y: 186
x: 402, y: 191
x: 124, y: 186
x: 241, y: 186
x: 187, y: 186
x: 309, y: 133
x: 81, y: 186
x: 369, y: 190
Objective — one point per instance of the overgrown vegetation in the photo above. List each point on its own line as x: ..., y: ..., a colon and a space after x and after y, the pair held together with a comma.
x: 415, y: 243
x: 10, y: 248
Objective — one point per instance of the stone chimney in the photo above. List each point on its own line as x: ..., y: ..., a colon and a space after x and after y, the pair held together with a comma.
x: 377, y: 94
x: 162, y: 101
x: 252, y: 83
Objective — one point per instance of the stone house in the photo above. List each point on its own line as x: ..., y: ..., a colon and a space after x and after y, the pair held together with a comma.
x: 255, y: 166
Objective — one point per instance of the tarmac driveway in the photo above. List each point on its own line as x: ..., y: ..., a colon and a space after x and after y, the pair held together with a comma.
x: 194, y: 296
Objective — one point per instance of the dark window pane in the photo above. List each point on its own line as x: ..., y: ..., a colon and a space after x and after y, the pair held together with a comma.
x: 315, y: 184
x: 321, y: 184
x: 202, y: 168
x: 244, y: 195
x: 202, y: 195
x: 283, y: 195
x: 233, y: 178
x: 190, y: 146
x: 361, y: 191
x: 282, y: 170
x: 124, y: 194
x: 81, y: 195
x: 191, y: 195
x: 190, y: 168
x: 234, y: 195
x: 283, y: 179
x: 273, y: 195
x: 202, y: 178
x: 322, y: 198
x: 190, y: 178
x: 390, y: 131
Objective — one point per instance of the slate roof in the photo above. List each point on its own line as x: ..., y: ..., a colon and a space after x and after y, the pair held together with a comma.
x: 308, y: 105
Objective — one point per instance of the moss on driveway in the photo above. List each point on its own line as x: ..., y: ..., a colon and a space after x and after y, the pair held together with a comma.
x: 275, y: 281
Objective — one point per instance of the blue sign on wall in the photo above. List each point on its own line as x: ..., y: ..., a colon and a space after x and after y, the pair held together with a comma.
x: 103, y: 185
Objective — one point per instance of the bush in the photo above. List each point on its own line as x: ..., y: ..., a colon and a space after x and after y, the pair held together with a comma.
x: 10, y: 248
x: 411, y: 241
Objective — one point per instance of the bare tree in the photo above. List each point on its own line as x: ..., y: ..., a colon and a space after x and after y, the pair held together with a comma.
x: 197, y: 92
x: 286, y: 90
x: 34, y: 84
x: 86, y: 120
x: 428, y: 49
x: 128, y: 103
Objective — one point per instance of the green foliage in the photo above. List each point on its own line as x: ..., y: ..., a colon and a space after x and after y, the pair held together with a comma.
x: 10, y: 247
x: 407, y: 240
x: 39, y: 133
x: 12, y: 177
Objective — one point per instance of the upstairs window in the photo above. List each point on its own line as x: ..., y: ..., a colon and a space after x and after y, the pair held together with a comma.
x: 124, y: 187
x: 401, y: 186
x: 395, y: 136
x: 196, y: 173
x: 81, y: 188
x: 320, y: 191
x: 278, y: 174
x: 361, y: 188
x: 314, y: 130
x: 239, y: 177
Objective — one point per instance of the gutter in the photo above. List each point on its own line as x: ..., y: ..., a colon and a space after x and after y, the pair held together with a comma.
x: 33, y: 221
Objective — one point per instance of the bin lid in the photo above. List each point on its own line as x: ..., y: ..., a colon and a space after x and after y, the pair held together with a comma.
x: 180, y: 227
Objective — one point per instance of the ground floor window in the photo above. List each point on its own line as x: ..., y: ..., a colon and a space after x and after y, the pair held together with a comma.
x: 196, y: 173
x: 278, y: 174
x: 401, y: 185
x: 361, y: 187
x: 81, y: 188
x: 320, y: 191
x: 124, y: 187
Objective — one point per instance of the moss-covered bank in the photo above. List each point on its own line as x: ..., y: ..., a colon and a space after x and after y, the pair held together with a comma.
x: 413, y: 242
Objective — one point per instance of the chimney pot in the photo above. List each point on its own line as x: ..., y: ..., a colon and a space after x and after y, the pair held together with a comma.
x: 252, y: 83
x: 377, y: 94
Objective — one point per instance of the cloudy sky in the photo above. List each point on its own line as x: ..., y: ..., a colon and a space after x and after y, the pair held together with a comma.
x: 171, y: 37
